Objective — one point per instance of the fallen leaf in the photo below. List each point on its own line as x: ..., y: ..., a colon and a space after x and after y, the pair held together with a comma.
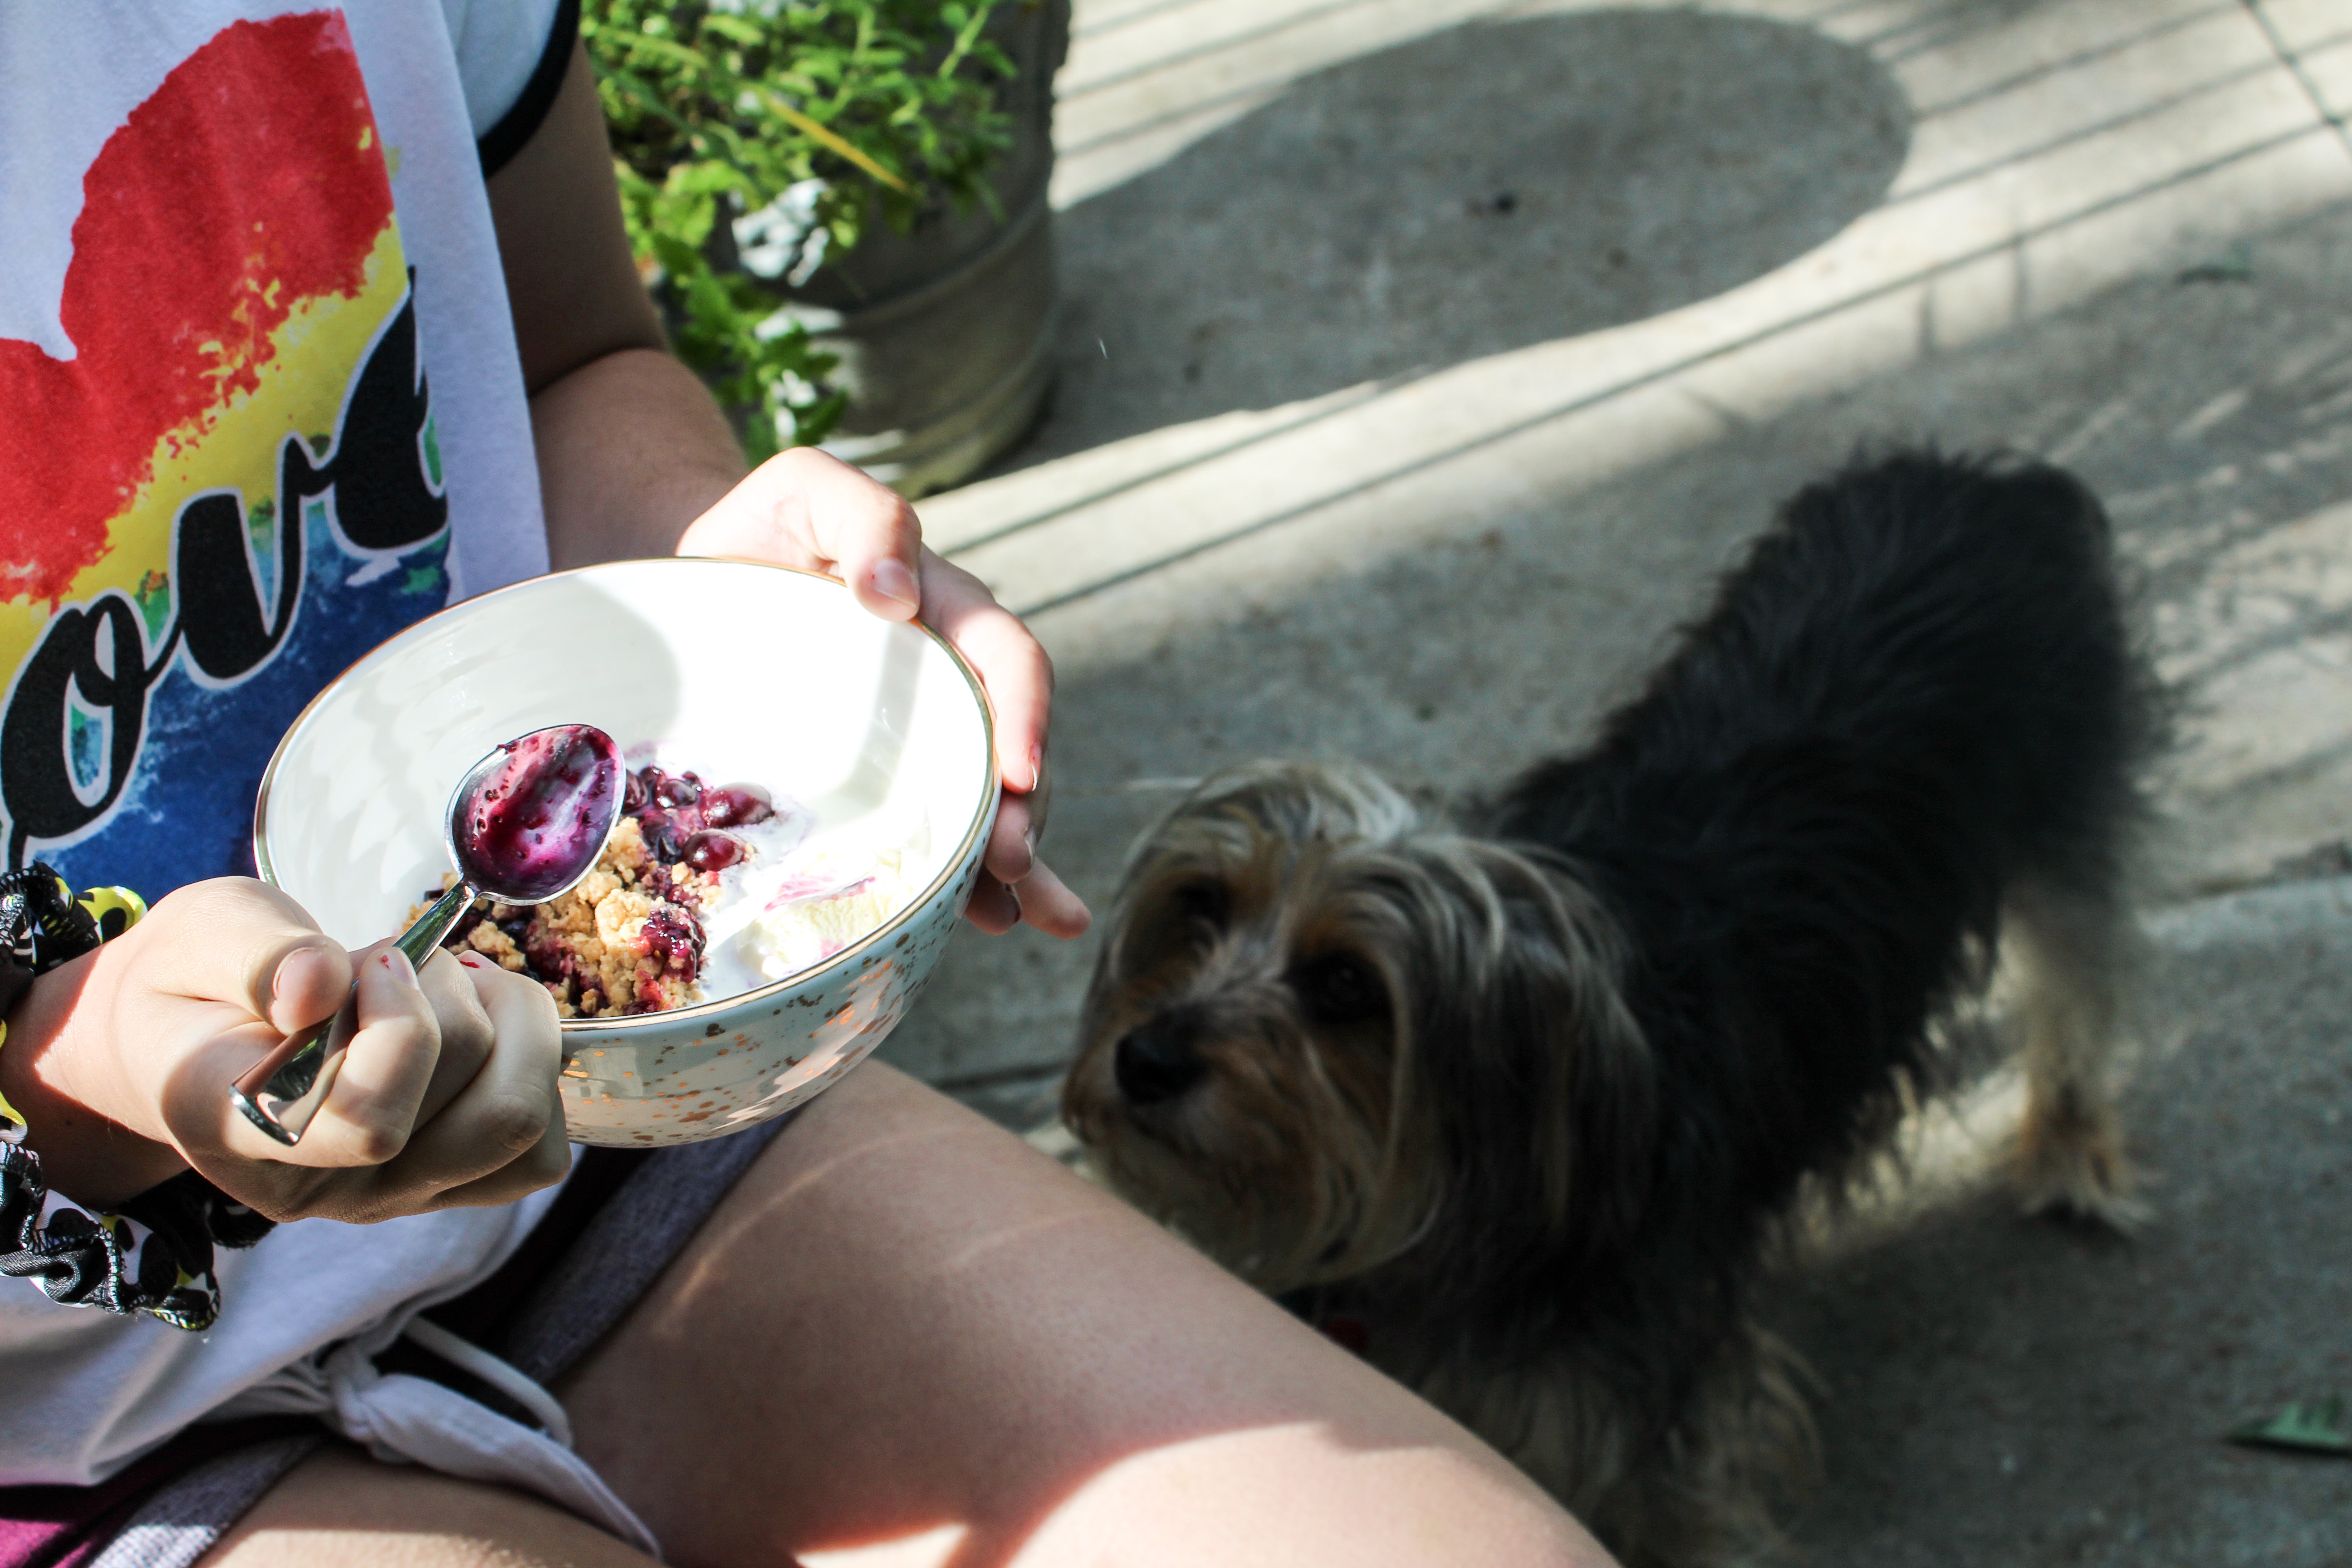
x: 2318, y: 1427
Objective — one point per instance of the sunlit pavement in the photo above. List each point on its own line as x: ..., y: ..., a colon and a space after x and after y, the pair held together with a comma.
x: 1421, y: 361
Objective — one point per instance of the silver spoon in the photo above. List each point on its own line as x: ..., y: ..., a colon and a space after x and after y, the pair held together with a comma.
x: 525, y: 825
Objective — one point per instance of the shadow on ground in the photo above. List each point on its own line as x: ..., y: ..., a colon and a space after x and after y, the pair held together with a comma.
x: 1495, y: 185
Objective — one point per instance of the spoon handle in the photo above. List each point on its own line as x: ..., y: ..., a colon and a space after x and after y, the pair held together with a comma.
x: 282, y: 1091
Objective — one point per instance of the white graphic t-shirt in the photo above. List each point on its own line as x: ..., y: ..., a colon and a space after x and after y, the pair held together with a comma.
x: 260, y: 407
x: 259, y: 401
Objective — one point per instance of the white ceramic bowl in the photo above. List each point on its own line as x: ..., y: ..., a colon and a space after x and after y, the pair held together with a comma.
x: 739, y: 670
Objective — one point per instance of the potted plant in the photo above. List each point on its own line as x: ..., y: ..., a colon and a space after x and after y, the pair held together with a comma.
x: 841, y: 205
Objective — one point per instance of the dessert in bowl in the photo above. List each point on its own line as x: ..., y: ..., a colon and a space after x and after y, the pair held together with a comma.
x: 812, y: 790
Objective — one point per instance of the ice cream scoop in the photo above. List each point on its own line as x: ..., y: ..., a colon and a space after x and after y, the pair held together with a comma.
x: 525, y: 825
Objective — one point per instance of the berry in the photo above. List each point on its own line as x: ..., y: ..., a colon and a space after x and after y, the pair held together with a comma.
x: 713, y: 851
x: 663, y: 840
x: 676, y: 941
x: 737, y: 805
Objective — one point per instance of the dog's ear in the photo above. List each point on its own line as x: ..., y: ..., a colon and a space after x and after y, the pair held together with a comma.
x: 1542, y: 1080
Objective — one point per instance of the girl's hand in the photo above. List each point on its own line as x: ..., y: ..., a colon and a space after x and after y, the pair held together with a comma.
x: 802, y: 508
x: 447, y: 1096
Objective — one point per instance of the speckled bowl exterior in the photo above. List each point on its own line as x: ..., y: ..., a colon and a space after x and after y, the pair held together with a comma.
x: 349, y: 816
x: 675, y: 1078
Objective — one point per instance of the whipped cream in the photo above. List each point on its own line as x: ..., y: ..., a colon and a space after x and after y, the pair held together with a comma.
x: 788, y: 907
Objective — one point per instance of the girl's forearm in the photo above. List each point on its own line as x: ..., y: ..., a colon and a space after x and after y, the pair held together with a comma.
x: 49, y: 1072
x: 631, y: 449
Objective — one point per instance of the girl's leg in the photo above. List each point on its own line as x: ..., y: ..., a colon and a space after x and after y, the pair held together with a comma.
x: 341, y: 1510
x: 907, y: 1338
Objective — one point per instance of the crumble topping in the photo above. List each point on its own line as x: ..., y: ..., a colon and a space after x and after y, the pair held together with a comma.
x: 628, y: 939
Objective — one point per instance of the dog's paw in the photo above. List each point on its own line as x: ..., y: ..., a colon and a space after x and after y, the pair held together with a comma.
x: 2071, y: 1164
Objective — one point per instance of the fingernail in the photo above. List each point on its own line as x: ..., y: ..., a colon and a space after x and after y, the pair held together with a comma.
x: 1036, y: 766
x: 392, y: 958
x: 893, y: 581
x: 277, y: 980
x: 470, y: 960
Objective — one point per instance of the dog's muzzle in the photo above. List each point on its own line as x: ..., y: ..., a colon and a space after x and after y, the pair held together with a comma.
x: 1155, y: 1062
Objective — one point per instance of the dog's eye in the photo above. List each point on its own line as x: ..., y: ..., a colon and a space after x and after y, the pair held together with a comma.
x: 1202, y: 903
x: 1340, y: 989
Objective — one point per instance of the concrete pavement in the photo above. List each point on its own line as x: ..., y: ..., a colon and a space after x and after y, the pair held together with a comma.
x: 2000, y: 1391
x: 1424, y: 359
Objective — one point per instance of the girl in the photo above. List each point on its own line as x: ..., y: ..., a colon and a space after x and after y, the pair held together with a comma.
x: 314, y: 318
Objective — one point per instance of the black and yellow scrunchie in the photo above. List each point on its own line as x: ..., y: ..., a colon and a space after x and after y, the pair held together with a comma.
x: 154, y: 1253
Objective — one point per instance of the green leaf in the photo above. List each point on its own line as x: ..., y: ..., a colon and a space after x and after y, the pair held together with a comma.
x: 646, y: 43
x: 701, y: 104
x: 742, y: 29
x: 2318, y: 1427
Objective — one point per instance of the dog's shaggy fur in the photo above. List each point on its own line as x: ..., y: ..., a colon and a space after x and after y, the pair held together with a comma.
x: 1523, y: 1098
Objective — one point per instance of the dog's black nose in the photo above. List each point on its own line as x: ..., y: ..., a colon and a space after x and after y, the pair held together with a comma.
x: 1157, y: 1062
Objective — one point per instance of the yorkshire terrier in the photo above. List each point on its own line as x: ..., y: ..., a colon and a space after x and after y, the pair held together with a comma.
x: 1523, y: 1100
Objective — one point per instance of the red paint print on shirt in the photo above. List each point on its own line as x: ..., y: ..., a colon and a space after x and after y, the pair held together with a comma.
x: 252, y: 179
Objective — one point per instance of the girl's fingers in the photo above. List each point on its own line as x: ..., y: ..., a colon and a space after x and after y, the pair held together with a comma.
x: 1013, y: 842
x: 1041, y: 899
x: 467, y: 1032
x: 1012, y: 664
x: 279, y: 965
x: 1048, y: 903
x: 993, y: 909
x: 803, y: 508
x: 545, y: 1163
x: 367, y: 1115
x: 309, y: 978
x: 1028, y: 890
x: 1020, y: 828
x: 506, y: 1114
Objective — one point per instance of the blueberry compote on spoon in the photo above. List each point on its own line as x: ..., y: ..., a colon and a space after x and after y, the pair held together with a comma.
x: 538, y: 820
x: 523, y: 826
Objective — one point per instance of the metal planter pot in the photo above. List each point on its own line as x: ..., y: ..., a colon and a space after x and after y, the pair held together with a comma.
x: 942, y: 332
